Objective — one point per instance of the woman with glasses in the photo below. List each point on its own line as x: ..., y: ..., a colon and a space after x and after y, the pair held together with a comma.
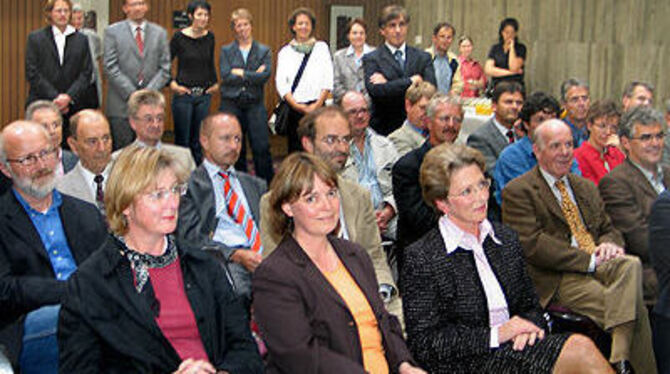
x: 145, y: 303
x: 600, y: 154
x: 316, y: 297
x: 470, y: 306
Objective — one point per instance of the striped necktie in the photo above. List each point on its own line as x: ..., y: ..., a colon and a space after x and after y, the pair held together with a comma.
x: 237, y: 211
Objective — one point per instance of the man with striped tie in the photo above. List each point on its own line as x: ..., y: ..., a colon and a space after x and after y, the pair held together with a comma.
x: 220, y: 209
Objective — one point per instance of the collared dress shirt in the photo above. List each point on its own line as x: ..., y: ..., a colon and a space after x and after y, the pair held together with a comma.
x: 367, y: 173
x: 90, y: 178
x: 59, y: 38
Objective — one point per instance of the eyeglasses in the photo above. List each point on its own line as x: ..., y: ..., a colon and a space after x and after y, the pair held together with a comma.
x: 150, y: 119
x: 453, y: 119
x: 604, y: 126
x: 333, y: 139
x: 470, y: 191
x: 356, y: 112
x: 647, y: 137
x: 31, y: 159
x: 164, y: 194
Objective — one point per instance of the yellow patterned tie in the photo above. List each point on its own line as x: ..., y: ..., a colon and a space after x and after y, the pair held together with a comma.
x: 583, y: 237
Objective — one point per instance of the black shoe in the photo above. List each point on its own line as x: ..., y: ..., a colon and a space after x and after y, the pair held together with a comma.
x: 623, y: 367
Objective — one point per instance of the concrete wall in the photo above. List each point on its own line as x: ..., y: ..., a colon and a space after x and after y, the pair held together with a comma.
x: 607, y: 42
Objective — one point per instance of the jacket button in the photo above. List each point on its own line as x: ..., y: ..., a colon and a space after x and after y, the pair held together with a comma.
x: 351, y: 323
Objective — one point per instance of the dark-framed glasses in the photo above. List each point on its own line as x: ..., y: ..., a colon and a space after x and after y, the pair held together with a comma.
x: 31, y: 159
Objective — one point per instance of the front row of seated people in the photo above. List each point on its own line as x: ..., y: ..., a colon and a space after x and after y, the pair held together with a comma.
x: 458, y: 320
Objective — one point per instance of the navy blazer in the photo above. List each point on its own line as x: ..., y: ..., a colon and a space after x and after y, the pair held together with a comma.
x: 659, y: 241
x: 388, y: 99
x: 251, y: 85
x: 48, y: 78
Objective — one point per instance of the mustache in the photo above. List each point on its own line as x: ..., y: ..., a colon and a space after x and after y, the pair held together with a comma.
x: 43, y: 173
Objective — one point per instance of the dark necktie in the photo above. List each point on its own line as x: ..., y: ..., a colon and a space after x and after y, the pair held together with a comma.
x: 99, y: 194
x: 398, y: 57
x: 510, y: 136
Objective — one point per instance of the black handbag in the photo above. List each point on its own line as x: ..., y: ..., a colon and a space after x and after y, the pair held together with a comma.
x: 283, y: 109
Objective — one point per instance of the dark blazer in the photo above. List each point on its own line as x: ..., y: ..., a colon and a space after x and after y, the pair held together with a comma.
x: 48, y: 78
x: 446, y: 314
x: 307, y: 326
x: 659, y: 242
x: 248, y: 89
x: 388, y: 99
x: 530, y: 208
x: 105, y: 326
x: 197, y: 218
x: 628, y: 197
x: 415, y: 217
x: 27, y: 280
x: 488, y: 140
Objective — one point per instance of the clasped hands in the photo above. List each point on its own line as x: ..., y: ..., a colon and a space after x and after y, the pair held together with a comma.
x: 521, y: 332
x: 607, y: 251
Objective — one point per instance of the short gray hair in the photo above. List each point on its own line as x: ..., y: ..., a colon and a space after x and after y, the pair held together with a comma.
x: 3, y: 154
x: 630, y: 87
x: 76, y: 7
x: 538, y: 139
x: 569, y: 83
x: 442, y: 99
x: 640, y: 115
x: 39, y: 105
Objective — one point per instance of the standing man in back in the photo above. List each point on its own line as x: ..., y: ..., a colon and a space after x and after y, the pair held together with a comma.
x: 136, y: 56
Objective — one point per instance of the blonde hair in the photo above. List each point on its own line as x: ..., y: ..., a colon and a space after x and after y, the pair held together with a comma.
x: 240, y: 13
x: 440, y: 164
x: 144, y: 97
x: 418, y: 90
x: 135, y: 171
x: 295, y: 176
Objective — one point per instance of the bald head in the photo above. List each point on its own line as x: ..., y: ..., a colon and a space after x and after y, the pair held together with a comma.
x: 553, y: 147
x: 91, y: 139
x: 355, y: 106
x: 221, y: 139
x: 13, y: 135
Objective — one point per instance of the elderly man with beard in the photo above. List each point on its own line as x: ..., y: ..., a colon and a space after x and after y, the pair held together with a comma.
x: 44, y: 236
x: 415, y: 217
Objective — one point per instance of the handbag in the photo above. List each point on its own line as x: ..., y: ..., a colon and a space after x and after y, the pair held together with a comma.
x: 279, y: 121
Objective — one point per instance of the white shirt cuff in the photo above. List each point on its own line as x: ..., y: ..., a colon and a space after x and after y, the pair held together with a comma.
x: 592, y: 263
x: 494, y: 337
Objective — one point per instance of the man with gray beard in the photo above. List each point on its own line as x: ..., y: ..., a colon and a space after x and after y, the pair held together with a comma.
x: 44, y: 236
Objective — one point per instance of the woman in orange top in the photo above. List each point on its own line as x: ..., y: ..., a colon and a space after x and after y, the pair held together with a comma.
x: 316, y: 297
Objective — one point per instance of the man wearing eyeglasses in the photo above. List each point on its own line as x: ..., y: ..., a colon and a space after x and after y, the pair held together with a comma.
x: 575, y: 255
x: 326, y: 133
x: 415, y: 217
x: 47, y: 114
x: 221, y: 208
x: 44, y: 236
x: 576, y: 101
x: 146, y: 114
x: 632, y: 187
x: 91, y: 140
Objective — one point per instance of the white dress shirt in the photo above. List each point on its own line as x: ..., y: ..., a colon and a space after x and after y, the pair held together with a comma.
x: 90, y: 178
x: 59, y: 38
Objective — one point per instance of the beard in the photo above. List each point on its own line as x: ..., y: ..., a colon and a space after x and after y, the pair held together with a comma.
x: 31, y: 186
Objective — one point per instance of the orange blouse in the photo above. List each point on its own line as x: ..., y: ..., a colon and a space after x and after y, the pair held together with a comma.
x: 374, y: 359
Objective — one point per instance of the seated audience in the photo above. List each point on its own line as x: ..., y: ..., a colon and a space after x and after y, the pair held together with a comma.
x: 630, y: 189
x: 576, y: 101
x: 415, y: 217
x: 91, y: 140
x: 462, y: 316
x: 413, y: 131
x: 144, y: 302
x: 600, y: 154
x: 315, y: 296
x: 348, y: 62
x: 518, y: 158
x: 659, y: 241
x: 44, y: 237
x: 574, y: 253
x: 220, y: 208
x: 326, y: 133
x: 46, y: 113
x: 637, y: 93
x: 445, y: 63
x: 472, y: 73
x: 146, y: 114
x: 371, y: 157
x: 392, y: 68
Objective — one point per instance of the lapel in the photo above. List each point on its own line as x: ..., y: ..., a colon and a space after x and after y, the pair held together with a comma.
x: 51, y: 42
x: 645, y: 187
x: 68, y: 50
x: 204, y: 190
x: 250, y: 194
x: 385, y: 54
x: 498, y: 139
x: 350, y: 207
x: 81, y: 184
x: 545, y: 193
x: 350, y: 62
x: 253, y: 51
x: 583, y: 203
x: 19, y: 224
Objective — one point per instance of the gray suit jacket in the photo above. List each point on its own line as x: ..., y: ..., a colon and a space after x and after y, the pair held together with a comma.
x: 74, y: 184
x: 347, y: 75
x: 122, y: 63
x: 198, y: 221
x: 488, y: 140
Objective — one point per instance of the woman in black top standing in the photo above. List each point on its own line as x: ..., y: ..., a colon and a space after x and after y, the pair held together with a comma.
x: 506, y: 59
x: 196, y: 77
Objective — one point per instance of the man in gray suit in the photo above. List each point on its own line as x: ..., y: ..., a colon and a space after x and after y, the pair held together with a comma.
x: 146, y: 114
x: 206, y: 217
x: 136, y: 55
x: 91, y: 140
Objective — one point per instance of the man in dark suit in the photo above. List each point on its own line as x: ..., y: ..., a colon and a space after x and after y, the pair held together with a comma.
x: 46, y: 113
x: 136, y: 55
x: 574, y: 253
x: 44, y: 236
x: 391, y: 69
x: 633, y: 186
x: 58, y: 62
x: 659, y: 241
x: 415, y: 217
x: 243, y: 79
x: 204, y: 214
